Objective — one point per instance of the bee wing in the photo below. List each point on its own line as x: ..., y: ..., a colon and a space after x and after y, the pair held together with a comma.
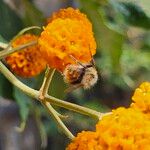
x: 72, y: 88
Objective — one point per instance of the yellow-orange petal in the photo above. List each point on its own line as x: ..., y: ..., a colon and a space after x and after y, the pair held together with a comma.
x: 27, y: 62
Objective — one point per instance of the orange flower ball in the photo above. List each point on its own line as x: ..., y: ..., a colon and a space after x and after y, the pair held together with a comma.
x: 69, y: 33
x: 124, y: 129
x: 141, y: 98
x: 27, y: 62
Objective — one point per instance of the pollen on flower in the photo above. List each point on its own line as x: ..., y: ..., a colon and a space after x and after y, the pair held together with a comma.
x: 27, y: 62
x: 141, y: 98
x: 68, y: 32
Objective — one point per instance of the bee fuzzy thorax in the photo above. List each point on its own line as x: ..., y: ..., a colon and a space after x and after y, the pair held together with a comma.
x: 90, y: 78
x: 84, y: 75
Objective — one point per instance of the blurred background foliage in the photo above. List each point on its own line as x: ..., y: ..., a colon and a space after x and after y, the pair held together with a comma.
x: 122, y: 32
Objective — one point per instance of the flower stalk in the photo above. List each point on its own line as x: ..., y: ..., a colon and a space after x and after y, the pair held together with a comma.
x: 42, y: 95
x: 54, y: 101
x: 43, y: 91
x: 10, y: 50
x: 53, y: 113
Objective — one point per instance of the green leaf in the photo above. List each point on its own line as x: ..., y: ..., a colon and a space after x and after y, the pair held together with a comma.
x: 24, y: 103
x: 32, y: 15
x: 133, y: 14
x: 108, y: 40
x: 10, y: 23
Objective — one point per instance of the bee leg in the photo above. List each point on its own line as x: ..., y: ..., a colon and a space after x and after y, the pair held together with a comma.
x: 73, y: 58
x: 92, y: 60
x: 72, y: 88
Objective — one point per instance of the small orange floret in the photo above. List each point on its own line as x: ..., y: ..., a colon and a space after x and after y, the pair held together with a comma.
x: 27, y: 62
x: 86, y: 140
x: 141, y: 98
x: 69, y: 32
x: 69, y: 13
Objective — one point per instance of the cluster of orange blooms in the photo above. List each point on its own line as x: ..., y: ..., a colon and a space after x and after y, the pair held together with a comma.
x: 68, y: 32
x: 124, y: 129
x: 28, y: 62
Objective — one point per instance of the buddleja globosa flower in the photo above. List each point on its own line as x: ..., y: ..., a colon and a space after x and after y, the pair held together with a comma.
x: 124, y: 129
x: 27, y: 62
x: 141, y: 98
x: 68, y: 32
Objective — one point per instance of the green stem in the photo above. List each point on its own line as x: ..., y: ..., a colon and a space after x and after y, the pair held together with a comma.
x: 74, y: 107
x: 53, y: 113
x: 24, y: 88
x: 3, y: 45
x: 45, y: 86
x: 21, y: 33
x: 43, y: 91
x: 46, y: 82
x: 35, y: 94
x: 25, y: 30
x: 9, y: 51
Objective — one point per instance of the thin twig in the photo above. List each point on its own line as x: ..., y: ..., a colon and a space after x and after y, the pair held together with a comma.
x: 46, y: 82
x: 43, y: 92
x: 54, y: 101
x: 59, y: 122
x: 25, y: 30
x: 21, y: 33
x: 74, y: 107
x: 45, y: 86
x: 3, y: 45
x: 24, y: 88
x: 9, y: 51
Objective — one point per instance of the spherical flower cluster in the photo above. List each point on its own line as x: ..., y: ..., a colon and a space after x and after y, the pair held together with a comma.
x: 141, y: 98
x: 27, y: 62
x: 68, y: 33
x: 123, y: 129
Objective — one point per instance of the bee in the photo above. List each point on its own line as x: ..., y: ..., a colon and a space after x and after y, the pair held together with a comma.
x: 80, y: 75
